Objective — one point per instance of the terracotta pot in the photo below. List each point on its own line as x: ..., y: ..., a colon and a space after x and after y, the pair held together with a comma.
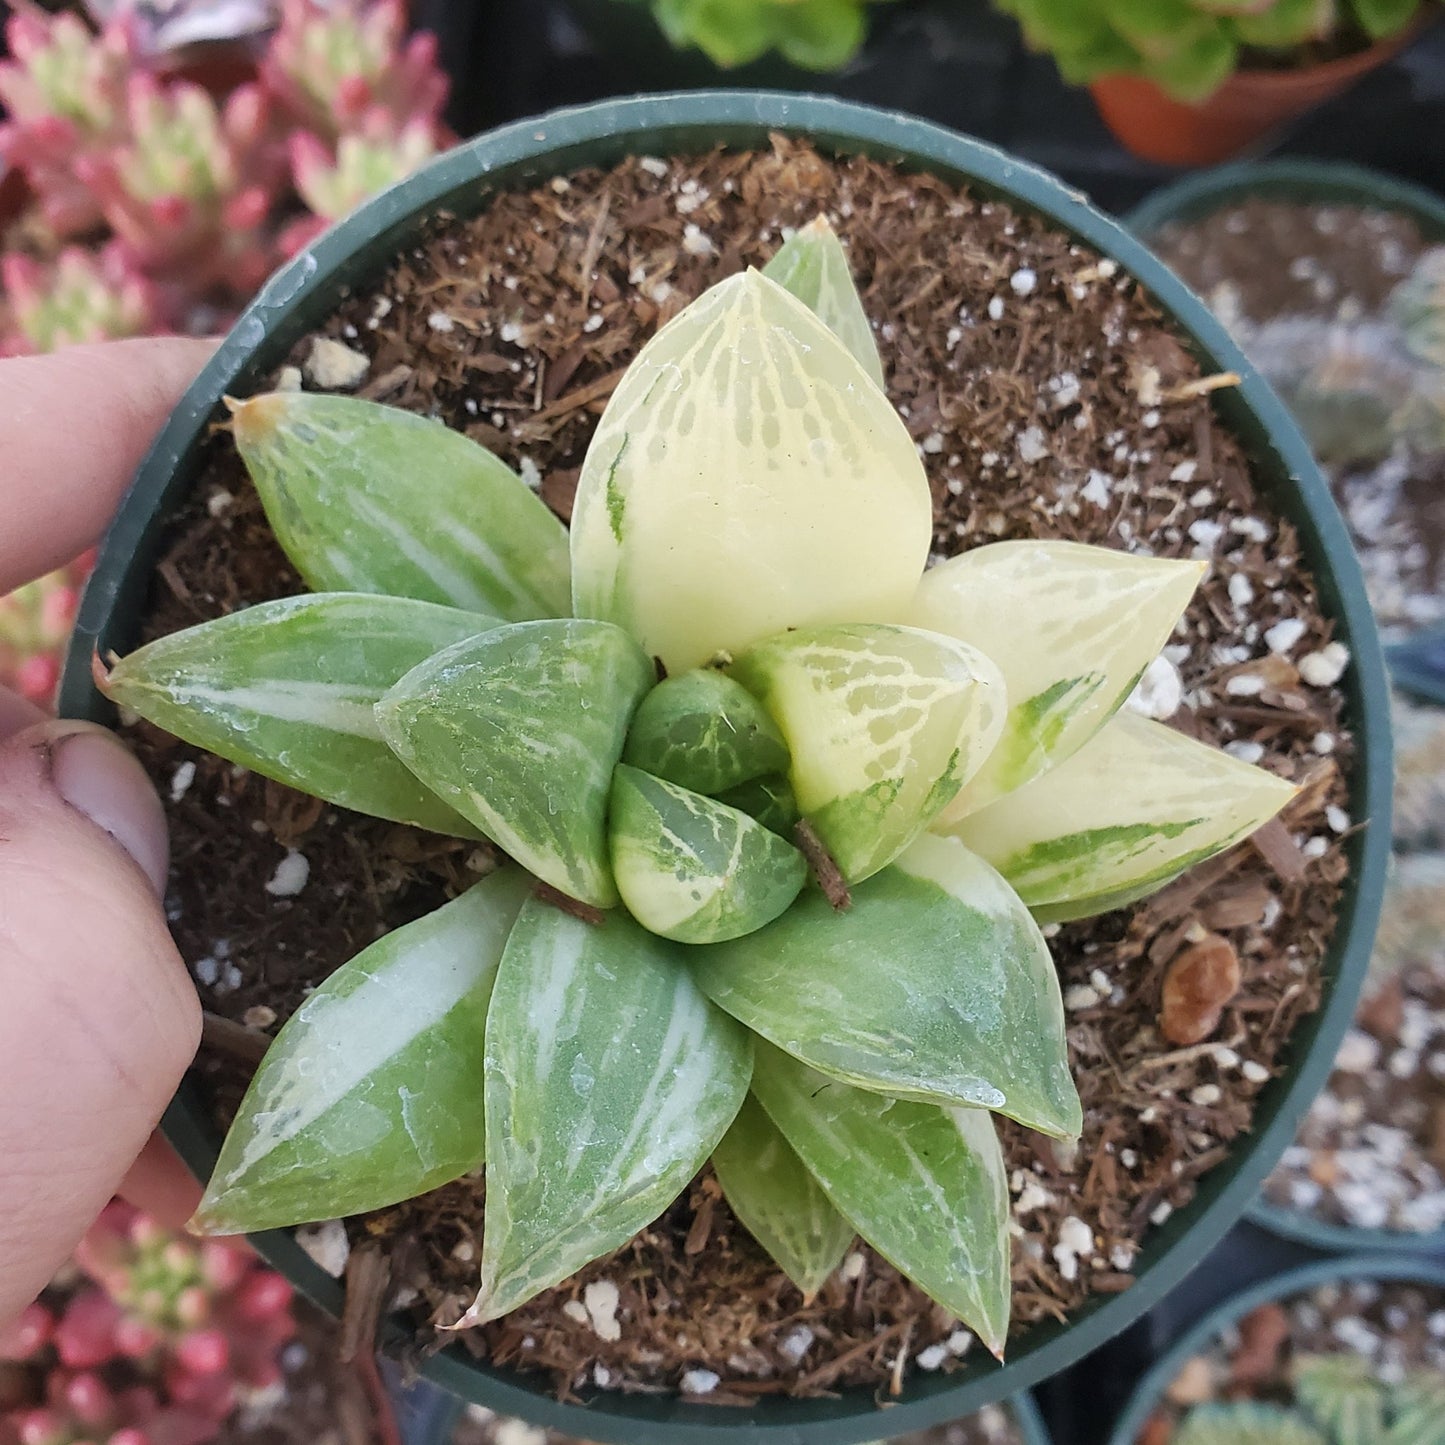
x: 1250, y: 104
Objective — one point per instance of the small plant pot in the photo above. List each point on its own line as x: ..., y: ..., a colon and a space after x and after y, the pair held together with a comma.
x: 527, y: 154
x: 1249, y: 105
x: 1417, y: 665
x: 1150, y: 1390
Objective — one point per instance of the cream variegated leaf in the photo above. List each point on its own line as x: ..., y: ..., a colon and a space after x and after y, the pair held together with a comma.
x: 778, y: 1202
x: 287, y: 689
x: 747, y: 477
x: 610, y: 1079
x: 925, y: 1186
x: 370, y: 498
x: 935, y: 984
x: 519, y: 731
x: 373, y: 1090
x: 1130, y: 810
x: 693, y: 869
x: 884, y: 725
x: 814, y: 267
x: 1070, y: 626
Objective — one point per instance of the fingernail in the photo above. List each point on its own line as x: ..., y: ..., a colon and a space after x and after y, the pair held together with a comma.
x: 95, y: 774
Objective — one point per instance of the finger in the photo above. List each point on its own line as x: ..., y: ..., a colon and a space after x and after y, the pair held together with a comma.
x: 98, y: 1019
x: 73, y: 428
x: 159, y: 1184
x: 16, y: 712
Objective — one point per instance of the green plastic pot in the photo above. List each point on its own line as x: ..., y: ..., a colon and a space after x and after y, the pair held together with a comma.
x: 1312, y: 183
x: 1150, y: 1389
x: 526, y: 154
x: 1335, y: 183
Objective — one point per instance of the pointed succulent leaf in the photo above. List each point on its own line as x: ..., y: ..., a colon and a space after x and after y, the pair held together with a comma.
x: 770, y: 800
x: 1129, y: 811
x: 935, y: 985
x: 1382, y: 18
x: 778, y: 1202
x: 519, y: 731
x: 814, y: 267
x: 610, y: 1079
x: 693, y: 869
x: 1246, y: 1423
x: 369, y: 498
x: 1341, y: 1395
x: 746, y: 477
x: 287, y: 688
x: 1417, y: 1408
x: 924, y: 1186
x: 1095, y: 619
x: 373, y: 1090
x: 884, y: 724
x: 701, y: 730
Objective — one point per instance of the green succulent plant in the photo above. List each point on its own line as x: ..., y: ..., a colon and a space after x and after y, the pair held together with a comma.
x: 797, y: 795
x: 1189, y: 47
x: 818, y: 35
x: 1418, y: 308
x: 1338, y: 1401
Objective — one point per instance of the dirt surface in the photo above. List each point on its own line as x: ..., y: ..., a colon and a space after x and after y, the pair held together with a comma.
x: 1047, y: 399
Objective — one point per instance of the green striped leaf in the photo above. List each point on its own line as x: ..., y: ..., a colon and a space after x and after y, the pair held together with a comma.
x: 1418, y: 1410
x: 1129, y: 811
x: 519, y: 730
x: 610, y: 1079
x: 287, y: 689
x: 1341, y: 1394
x: 693, y: 869
x: 703, y: 731
x: 1070, y: 626
x: 373, y: 1090
x: 935, y: 985
x: 924, y: 1186
x: 884, y: 725
x: 746, y: 477
x: 368, y: 498
x: 778, y: 1202
x: 1246, y: 1423
x: 814, y: 267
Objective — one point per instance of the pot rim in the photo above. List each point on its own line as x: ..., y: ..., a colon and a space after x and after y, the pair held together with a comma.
x: 1146, y: 1393
x: 1191, y: 198
x: 529, y: 151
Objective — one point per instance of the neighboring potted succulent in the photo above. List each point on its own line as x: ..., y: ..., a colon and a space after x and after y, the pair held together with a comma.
x: 1193, y: 82
x: 820, y: 720
x: 1340, y: 1351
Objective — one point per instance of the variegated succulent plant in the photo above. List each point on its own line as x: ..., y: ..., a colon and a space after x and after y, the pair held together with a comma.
x: 1339, y: 1400
x: 799, y: 806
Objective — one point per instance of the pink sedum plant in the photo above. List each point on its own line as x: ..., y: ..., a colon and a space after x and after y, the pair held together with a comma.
x: 162, y: 1340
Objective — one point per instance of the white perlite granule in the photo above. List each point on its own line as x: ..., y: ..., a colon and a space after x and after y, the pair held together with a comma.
x: 1325, y: 667
x: 1023, y: 281
x: 601, y: 1298
x: 1031, y: 445
x: 181, y: 781
x: 290, y: 875
x: 1159, y: 693
x: 334, y: 366
x: 327, y: 1245
x: 700, y: 1382
x: 1285, y: 635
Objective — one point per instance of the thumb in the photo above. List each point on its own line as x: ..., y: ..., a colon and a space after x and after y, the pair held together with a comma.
x: 98, y: 1018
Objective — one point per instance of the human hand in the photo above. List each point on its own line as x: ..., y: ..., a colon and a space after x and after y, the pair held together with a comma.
x: 98, y: 1019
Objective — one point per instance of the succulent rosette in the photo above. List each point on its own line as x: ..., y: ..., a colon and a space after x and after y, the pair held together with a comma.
x: 799, y: 806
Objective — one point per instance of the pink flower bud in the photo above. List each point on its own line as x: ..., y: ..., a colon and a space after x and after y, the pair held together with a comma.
x: 28, y: 1333
x: 88, y: 1399
x: 41, y: 1427
x: 134, y: 1338
x: 86, y: 1335
x: 170, y: 211
x: 204, y: 1352
x: 57, y: 611
x: 37, y: 677
x: 193, y: 1306
x: 131, y: 1435
x: 264, y: 1296
x: 224, y: 1264
x: 247, y: 210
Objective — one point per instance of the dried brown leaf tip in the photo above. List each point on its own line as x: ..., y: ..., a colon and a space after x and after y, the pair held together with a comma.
x: 1197, y: 986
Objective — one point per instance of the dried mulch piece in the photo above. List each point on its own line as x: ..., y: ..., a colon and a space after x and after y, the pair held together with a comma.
x: 1048, y: 398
